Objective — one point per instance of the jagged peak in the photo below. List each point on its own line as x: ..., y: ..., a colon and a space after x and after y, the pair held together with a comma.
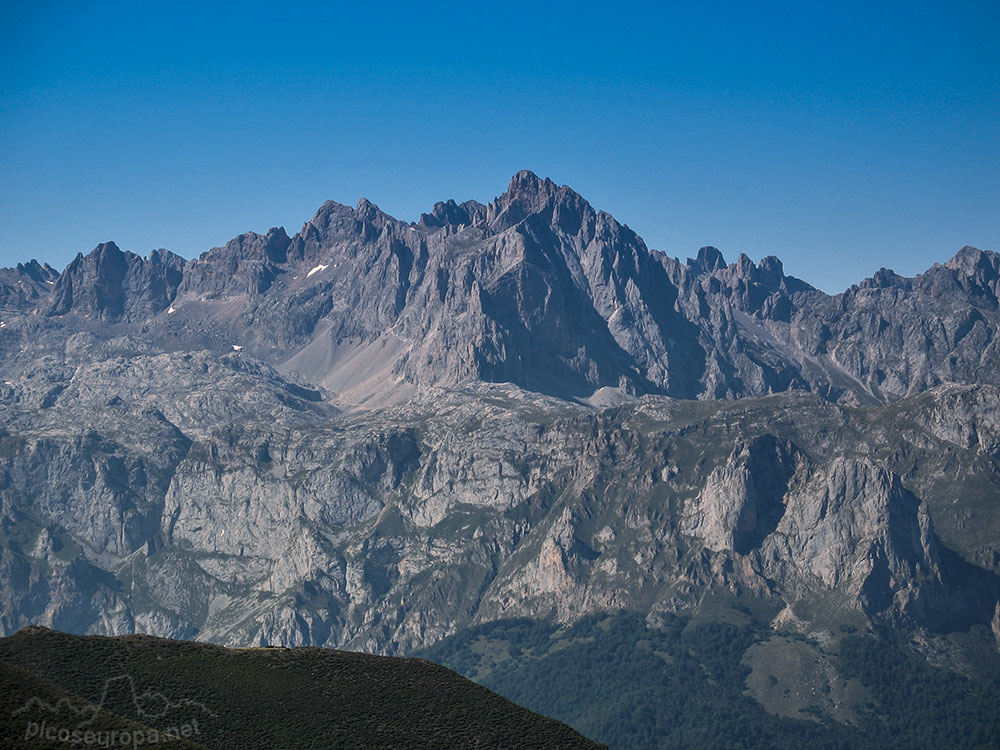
x: 527, y: 183
x: 162, y: 256
x: 981, y: 266
x: 450, y: 213
x: 276, y: 243
x: 769, y: 273
x: 37, y: 271
x: 709, y: 259
x: 745, y: 267
x: 326, y: 210
x: 332, y: 212
x: 273, y: 244
x: 972, y: 261
x: 883, y: 278
x: 528, y: 188
x: 109, y: 252
x: 772, y: 266
x: 366, y: 208
x: 970, y: 251
x: 103, y: 251
x: 106, y: 248
x: 112, y: 284
x: 528, y: 194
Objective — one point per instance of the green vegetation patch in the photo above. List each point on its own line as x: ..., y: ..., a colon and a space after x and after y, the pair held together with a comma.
x: 794, y: 678
x: 711, y: 683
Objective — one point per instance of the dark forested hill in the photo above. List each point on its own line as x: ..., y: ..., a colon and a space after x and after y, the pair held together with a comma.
x: 213, y: 697
x: 723, y: 683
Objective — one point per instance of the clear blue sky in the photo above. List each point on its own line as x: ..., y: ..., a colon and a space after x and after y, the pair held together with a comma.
x: 840, y: 136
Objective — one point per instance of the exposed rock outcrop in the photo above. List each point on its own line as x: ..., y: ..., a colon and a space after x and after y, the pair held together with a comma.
x: 373, y: 433
x: 111, y: 285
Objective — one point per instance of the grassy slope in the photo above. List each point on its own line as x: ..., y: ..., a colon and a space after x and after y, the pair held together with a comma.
x: 271, y: 698
x: 18, y: 687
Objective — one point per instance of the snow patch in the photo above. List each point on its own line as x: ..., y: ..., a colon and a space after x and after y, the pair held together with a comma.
x: 50, y: 282
x: 171, y: 310
x: 318, y: 268
x: 2, y: 324
x: 237, y: 347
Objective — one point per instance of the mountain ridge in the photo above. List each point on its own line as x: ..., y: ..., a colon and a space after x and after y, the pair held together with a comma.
x: 539, y: 289
x: 527, y: 187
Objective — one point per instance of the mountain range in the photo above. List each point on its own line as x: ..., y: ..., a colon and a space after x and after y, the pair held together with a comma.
x: 537, y: 289
x: 377, y: 435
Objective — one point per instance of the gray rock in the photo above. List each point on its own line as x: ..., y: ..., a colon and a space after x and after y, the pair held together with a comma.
x: 111, y: 285
x: 372, y: 434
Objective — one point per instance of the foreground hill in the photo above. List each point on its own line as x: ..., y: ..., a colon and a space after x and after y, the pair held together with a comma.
x: 251, y: 698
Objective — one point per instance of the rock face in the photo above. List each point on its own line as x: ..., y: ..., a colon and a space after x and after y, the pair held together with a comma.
x: 539, y: 289
x: 110, y: 285
x: 372, y: 433
x: 744, y: 499
x: 854, y: 525
x: 248, y: 264
x: 24, y: 287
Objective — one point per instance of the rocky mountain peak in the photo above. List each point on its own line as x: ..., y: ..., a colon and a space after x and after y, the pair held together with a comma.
x: 450, y: 214
x: 528, y: 195
x: 276, y: 243
x: 766, y: 278
x: 884, y: 278
x: 26, y: 286
x: 981, y: 267
x: 106, y: 254
x: 368, y: 211
x: 330, y: 221
x: 329, y: 217
x: 745, y: 267
x: 94, y: 282
x: 526, y: 184
x: 970, y: 259
x: 36, y: 271
x: 709, y: 259
x: 111, y: 285
x: 246, y: 264
x: 568, y: 302
x: 771, y: 271
x: 335, y: 223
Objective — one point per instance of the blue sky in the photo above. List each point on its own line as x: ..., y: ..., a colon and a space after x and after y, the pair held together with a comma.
x: 841, y: 137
